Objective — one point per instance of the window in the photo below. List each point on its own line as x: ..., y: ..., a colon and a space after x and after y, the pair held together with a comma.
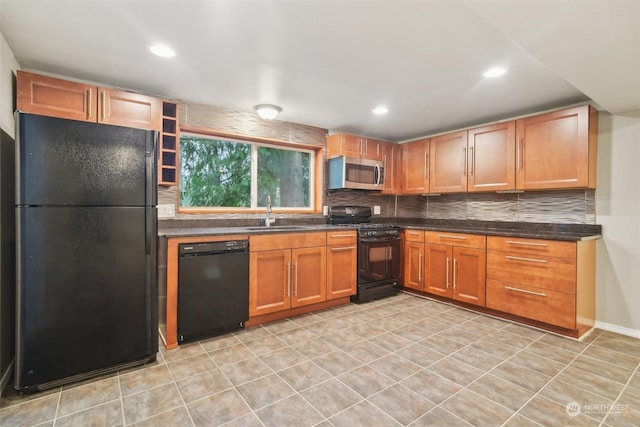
x: 224, y: 173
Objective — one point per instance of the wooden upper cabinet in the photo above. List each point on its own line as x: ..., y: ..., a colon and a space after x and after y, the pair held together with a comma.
x: 448, y: 163
x: 54, y: 97
x: 415, y: 167
x: 390, y: 154
x: 491, y: 157
x: 121, y: 108
x: 557, y: 149
x: 348, y: 145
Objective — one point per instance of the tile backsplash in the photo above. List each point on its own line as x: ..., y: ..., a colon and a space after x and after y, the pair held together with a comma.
x: 559, y: 207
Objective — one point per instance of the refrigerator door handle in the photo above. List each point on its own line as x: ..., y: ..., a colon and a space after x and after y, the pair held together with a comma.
x: 151, y: 159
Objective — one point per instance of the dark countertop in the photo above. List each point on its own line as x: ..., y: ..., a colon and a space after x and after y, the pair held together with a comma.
x: 528, y: 230
x: 565, y: 232
x: 253, y: 230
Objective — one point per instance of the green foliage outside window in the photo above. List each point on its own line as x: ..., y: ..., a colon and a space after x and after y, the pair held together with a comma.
x: 216, y: 172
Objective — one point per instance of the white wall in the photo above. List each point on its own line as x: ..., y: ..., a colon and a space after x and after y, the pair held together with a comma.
x: 8, y: 65
x: 618, y: 210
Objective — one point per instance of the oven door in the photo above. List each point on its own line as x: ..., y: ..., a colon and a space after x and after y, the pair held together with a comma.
x: 378, y: 259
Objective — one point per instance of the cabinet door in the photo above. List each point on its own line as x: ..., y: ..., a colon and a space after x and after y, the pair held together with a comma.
x: 415, y: 160
x: 448, y: 163
x: 492, y: 158
x: 269, y: 281
x: 351, y: 145
x: 390, y: 155
x: 438, y: 269
x: 371, y: 149
x: 413, y: 271
x: 468, y: 271
x: 554, y: 150
x: 341, y: 271
x: 53, y: 97
x: 309, y: 276
x: 121, y: 108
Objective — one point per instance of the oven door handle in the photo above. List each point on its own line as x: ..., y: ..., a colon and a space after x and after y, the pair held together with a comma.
x: 379, y: 239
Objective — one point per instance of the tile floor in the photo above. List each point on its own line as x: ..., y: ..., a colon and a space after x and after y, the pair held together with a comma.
x: 399, y: 361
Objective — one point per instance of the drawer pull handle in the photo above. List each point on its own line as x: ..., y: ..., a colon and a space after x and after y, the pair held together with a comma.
x: 524, y: 291
x: 341, y: 235
x: 444, y: 236
x: 288, y: 279
x: 513, y: 242
x: 295, y: 289
x: 89, y: 103
x: 447, y: 273
x: 346, y: 248
x: 455, y: 266
x: 517, y: 258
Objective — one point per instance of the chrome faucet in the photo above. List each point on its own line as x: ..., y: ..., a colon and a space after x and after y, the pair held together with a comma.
x: 269, y: 219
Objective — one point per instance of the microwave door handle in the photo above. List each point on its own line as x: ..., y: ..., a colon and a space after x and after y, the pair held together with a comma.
x: 378, y: 172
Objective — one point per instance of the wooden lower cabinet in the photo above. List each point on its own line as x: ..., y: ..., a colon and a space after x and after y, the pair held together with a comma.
x: 342, y: 268
x: 309, y: 276
x: 544, y: 280
x: 413, y: 271
x: 341, y: 271
x: 269, y: 281
x: 455, y: 266
x: 286, y: 278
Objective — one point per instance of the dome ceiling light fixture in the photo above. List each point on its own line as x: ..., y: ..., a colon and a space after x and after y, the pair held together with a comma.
x: 267, y: 111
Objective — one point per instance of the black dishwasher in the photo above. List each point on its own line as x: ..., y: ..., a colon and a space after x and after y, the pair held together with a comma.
x: 213, y: 288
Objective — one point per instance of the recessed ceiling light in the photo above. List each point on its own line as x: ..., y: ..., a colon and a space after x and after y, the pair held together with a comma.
x: 162, y: 50
x: 495, y: 72
x: 380, y: 110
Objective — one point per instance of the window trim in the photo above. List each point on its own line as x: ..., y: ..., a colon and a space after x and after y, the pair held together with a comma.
x: 317, y: 168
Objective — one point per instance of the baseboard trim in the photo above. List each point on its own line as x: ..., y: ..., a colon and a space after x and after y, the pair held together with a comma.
x: 635, y: 333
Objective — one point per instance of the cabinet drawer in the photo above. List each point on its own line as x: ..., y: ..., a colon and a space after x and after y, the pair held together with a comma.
x: 342, y: 237
x: 554, y: 308
x: 456, y: 239
x: 551, y: 248
x: 414, y: 235
x: 558, y: 274
x: 266, y: 242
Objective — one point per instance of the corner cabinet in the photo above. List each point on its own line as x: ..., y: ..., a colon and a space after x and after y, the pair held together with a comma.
x: 557, y: 149
x: 54, y: 97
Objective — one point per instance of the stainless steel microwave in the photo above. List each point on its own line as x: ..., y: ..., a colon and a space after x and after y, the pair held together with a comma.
x: 350, y: 172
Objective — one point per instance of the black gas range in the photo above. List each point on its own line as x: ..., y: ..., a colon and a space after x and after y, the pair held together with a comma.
x: 379, y: 248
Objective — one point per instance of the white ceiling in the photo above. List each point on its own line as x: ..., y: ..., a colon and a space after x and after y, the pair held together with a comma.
x: 328, y: 63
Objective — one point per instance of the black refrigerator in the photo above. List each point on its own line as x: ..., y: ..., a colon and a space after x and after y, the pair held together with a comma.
x: 86, y: 226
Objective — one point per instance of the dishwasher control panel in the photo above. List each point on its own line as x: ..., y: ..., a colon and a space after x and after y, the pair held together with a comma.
x: 194, y: 249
